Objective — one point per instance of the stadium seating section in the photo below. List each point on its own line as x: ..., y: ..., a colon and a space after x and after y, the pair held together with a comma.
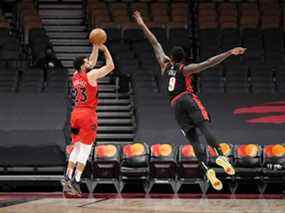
x: 34, y: 109
x: 23, y: 57
x: 256, y: 25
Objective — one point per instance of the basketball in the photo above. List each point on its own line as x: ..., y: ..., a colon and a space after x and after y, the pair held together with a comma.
x: 97, y: 36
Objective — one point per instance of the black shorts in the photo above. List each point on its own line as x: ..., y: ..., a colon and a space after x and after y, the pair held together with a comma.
x: 189, y: 111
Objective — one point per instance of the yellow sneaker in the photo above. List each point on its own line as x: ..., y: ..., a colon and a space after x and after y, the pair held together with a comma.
x: 223, y: 162
x: 215, y: 182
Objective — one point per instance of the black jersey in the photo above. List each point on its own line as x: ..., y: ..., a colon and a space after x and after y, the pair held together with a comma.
x: 177, y: 81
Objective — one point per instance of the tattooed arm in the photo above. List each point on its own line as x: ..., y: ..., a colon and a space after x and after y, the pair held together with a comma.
x: 196, y: 68
x: 161, y: 57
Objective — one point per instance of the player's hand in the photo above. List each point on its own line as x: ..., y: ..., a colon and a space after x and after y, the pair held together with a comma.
x: 238, y: 51
x: 137, y: 16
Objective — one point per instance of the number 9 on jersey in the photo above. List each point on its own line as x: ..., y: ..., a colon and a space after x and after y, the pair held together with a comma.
x: 171, y: 84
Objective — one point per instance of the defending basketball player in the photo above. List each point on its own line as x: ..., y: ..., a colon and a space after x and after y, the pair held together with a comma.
x: 189, y: 111
x: 83, y: 116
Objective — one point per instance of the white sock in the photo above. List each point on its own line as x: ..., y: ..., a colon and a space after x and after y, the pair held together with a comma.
x: 77, y: 175
x: 69, y: 173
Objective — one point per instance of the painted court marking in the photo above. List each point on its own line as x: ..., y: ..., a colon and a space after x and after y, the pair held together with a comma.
x: 148, y: 205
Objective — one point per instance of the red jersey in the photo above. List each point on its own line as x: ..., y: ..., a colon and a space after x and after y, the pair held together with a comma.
x: 85, y: 95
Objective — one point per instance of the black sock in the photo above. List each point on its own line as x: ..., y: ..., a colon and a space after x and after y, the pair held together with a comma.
x: 198, y: 148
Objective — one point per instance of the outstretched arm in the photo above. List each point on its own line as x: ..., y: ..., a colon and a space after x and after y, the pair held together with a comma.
x: 196, y: 68
x: 161, y: 57
x: 95, y: 74
x: 93, y: 56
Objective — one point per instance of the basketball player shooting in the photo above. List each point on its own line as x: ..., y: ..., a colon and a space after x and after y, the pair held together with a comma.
x: 83, y: 116
x: 189, y: 111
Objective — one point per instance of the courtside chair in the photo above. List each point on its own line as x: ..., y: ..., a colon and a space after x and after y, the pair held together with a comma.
x: 273, y: 165
x: 228, y: 150
x: 135, y: 164
x: 188, y: 169
x: 106, y: 165
x: 248, y: 158
x: 163, y: 165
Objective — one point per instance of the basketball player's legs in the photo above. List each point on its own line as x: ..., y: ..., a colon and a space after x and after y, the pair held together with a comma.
x: 75, y: 148
x: 87, y: 136
x: 201, y: 155
x: 200, y: 118
x: 185, y: 122
x: 221, y: 160
x: 72, y: 159
x: 83, y: 126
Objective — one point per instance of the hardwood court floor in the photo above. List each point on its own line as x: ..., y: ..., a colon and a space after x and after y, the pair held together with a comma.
x: 157, y: 204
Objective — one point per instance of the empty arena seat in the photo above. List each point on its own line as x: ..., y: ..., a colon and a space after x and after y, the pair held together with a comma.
x: 230, y: 38
x: 119, y: 12
x: 106, y: 164
x: 100, y: 16
x: 209, y: 43
x: 211, y: 81
x: 159, y: 9
x: 273, y: 45
x: 163, y: 164
x: 271, y: 14
x: 179, y: 12
x: 143, y: 8
x: 4, y: 34
x: 248, y: 158
x: 252, y: 39
x: 131, y: 32
x: 280, y: 79
x: 262, y: 78
x: 249, y: 15
x: 228, y: 15
x: 178, y: 35
x: 188, y: 168
x: 135, y: 164
x: 274, y: 162
x: 236, y: 78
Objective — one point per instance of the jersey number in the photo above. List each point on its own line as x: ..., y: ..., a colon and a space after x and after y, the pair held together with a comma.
x: 81, y: 94
x: 171, y: 84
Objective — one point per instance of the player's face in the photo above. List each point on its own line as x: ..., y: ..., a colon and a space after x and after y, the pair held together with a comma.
x: 86, y: 65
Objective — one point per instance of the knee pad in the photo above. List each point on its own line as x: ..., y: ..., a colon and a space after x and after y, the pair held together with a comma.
x: 74, y: 131
x: 84, y: 153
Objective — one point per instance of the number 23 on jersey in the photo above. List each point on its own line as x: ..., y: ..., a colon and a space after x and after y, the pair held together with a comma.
x: 80, y: 94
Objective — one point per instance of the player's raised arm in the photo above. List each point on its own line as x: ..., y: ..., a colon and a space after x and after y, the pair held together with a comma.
x: 95, y: 74
x: 196, y: 68
x: 93, y: 56
x: 161, y: 57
